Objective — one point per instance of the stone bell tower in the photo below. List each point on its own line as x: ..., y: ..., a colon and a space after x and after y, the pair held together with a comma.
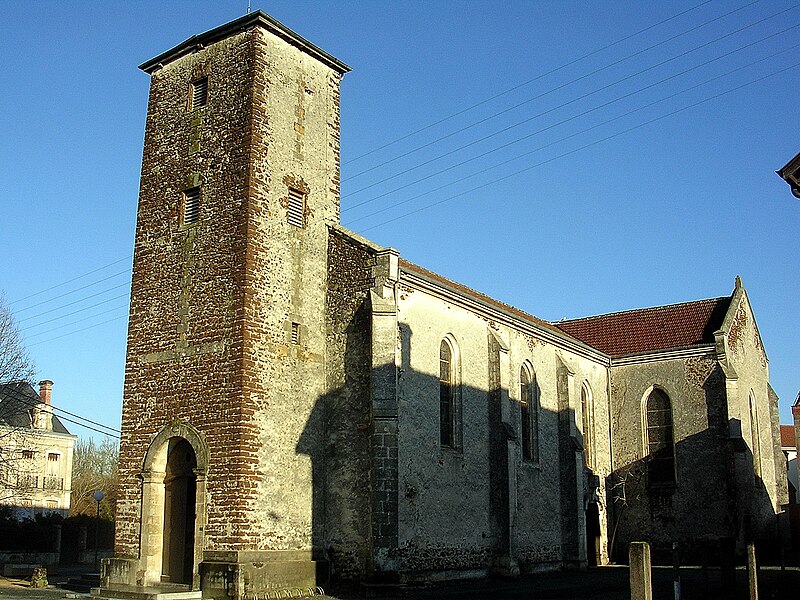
x: 226, y: 337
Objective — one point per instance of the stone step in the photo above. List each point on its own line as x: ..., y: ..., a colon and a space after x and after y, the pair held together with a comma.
x: 161, y: 592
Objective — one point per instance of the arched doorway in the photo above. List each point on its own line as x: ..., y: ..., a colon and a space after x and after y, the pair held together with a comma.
x: 180, y: 492
x: 173, y: 507
x: 592, y: 534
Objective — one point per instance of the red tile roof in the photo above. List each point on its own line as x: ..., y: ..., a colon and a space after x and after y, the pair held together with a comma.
x: 651, y: 329
x: 787, y: 436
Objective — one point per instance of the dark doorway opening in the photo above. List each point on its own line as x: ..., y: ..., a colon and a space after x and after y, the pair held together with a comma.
x: 180, y: 492
x: 592, y: 534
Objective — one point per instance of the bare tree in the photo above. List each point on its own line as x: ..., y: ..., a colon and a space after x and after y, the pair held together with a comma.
x: 94, y: 467
x: 16, y: 369
x: 15, y: 364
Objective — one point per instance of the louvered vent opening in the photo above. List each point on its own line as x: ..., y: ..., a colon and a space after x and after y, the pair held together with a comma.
x: 191, y: 206
x: 297, y: 201
x: 295, y: 333
x: 199, y: 92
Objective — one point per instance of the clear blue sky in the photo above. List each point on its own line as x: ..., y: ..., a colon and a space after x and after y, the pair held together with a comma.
x: 605, y: 214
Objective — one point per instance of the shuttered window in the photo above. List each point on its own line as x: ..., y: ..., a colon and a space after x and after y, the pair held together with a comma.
x: 297, y: 203
x: 199, y: 93
x: 295, y: 333
x: 191, y: 206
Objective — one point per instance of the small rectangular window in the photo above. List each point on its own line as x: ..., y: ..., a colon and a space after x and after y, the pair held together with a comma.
x: 52, y: 457
x: 191, y: 206
x: 295, y: 333
x: 28, y: 454
x: 199, y: 93
x: 297, y: 204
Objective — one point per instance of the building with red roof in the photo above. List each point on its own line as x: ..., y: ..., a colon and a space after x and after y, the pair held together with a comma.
x: 301, y: 402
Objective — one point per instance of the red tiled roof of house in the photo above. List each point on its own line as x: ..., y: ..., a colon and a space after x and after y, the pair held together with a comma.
x: 651, y: 329
x: 787, y: 436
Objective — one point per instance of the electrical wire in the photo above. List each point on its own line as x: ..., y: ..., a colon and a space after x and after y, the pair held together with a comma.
x: 529, y: 81
x: 46, y: 331
x: 572, y: 118
x: 112, y: 432
x: 72, y: 291
x: 57, y: 308
x: 568, y: 83
x: 63, y: 283
x: 589, y: 145
x: 58, y: 337
x: 562, y: 105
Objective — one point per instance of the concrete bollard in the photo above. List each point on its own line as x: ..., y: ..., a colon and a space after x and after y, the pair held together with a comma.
x: 752, y: 571
x: 640, y: 573
x: 39, y: 578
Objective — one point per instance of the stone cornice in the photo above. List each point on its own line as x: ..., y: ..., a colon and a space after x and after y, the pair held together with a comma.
x: 676, y: 353
x: 442, y: 291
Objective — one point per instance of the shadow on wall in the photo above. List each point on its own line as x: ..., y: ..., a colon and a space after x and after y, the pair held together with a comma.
x: 479, y: 508
x: 715, y: 504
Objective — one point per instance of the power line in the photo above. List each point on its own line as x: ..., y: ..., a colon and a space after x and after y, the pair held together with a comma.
x: 598, y: 70
x: 113, y: 432
x: 589, y: 145
x: 58, y: 337
x: 572, y: 118
x: 529, y: 81
x: 72, y: 291
x: 75, y: 312
x: 34, y: 404
x: 536, y: 116
x: 63, y: 283
x: 46, y: 331
x: 78, y: 301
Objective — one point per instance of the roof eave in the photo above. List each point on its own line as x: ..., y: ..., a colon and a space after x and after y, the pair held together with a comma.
x: 257, y: 18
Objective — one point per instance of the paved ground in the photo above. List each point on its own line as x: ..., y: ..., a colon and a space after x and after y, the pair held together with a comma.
x: 605, y: 583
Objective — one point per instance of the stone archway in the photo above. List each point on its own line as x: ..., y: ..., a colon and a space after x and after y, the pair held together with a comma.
x: 180, y: 493
x: 173, y: 506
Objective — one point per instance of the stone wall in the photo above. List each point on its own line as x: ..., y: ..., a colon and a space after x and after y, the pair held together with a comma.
x: 449, y: 519
x: 700, y: 505
x: 227, y: 325
x: 184, y: 347
x: 347, y: 405
x: 751, y: 412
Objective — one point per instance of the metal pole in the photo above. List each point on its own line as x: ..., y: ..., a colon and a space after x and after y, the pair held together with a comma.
x: 96, y: 537
x: 676, y: 571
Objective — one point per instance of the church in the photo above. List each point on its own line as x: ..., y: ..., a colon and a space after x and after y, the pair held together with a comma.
x: 302, y: 404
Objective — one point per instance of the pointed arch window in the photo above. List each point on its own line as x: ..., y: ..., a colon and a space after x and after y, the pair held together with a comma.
x: 659, y: 439
x: 448, y: 395
x: 587, y: 425
x: 754, y: 434
x: 529, y: 414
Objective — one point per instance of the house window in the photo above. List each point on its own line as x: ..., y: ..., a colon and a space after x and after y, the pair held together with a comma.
x: 52, y: 457
x: 587, y: 426
x: 295, y: 333
x: 199, y: 93
x: 51, y: 504
x: 28, y: 454
x: 660, y: 445
x: 529, y: 414
x: 448, y: 395
x: 191, y: 205
x: 297, y: 204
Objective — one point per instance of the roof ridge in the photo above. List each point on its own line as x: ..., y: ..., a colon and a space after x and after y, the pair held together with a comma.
x: 478, y: 293
x: 634, y: 310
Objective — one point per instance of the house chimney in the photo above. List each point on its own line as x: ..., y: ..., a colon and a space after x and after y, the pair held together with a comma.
x: 45, y: 389
x: 44, y: 416
x: 796, y: 416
